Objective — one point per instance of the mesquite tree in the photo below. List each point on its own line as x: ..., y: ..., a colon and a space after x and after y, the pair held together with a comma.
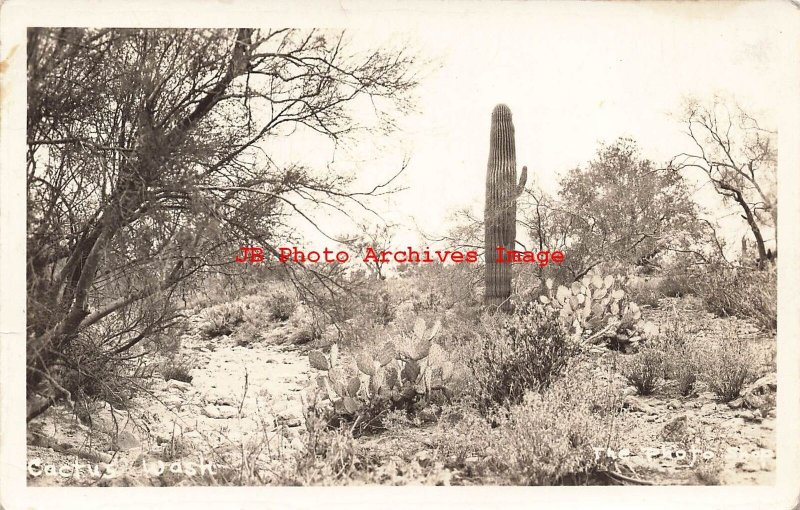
x: 500, y: 211
x: 149, y: 164
x: 739, y: 158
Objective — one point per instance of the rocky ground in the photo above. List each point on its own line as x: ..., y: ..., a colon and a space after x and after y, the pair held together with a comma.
x: 239, y: 397
x: 247, y: 400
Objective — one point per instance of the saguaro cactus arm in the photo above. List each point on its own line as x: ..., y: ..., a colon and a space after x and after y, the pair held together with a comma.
x: 523, y: 178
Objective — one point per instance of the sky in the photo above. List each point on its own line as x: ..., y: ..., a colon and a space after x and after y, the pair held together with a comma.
x: 574, y: 75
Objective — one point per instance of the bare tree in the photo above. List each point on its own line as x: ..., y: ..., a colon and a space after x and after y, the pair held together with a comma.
x: 148, y: 164
x: 740, y: 160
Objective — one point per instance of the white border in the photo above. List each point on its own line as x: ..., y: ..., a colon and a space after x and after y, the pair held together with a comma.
x: 16, y: 15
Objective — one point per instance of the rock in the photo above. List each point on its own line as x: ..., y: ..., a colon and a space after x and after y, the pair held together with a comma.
x: 472, y: 462
x: 630, y: 391
x: 227, y: 411
x: 754, y: 416
x: 294, y: 422
x: 178, y: 385
x: 126, y: 441
x: 707, y: 395
x: 674, y: 404
x: 427, y: 415
x: 736, y: 403
x: 634, y: 404
x: 708, y: 408
x: 763, y: 385
x: 754, y: 401
x: 423, y: 458
x: 211, y: 411
x: 734, y: 422
x: 298, y: 445
x: 676, y: 429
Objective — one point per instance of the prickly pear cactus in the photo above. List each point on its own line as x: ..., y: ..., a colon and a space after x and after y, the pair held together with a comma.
x: 500, y: 211
x: 396, y: 374
x: 597, y: 309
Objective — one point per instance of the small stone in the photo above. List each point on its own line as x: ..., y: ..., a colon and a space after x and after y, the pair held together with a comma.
x: 734, y: 422
x: 676, y: 429
x: 674, y: 404
x: 630, y: 391
x: 708, y: 408
x: 126, y: 441
x: 472, y: 462
x: 178, y: 385
x: 423, y: 458
x: 211, y: 411
x: 294, y: 422
x: 736, y: 403
x: 634, y: 404
x: 227, y: 411
x: 767, y: 383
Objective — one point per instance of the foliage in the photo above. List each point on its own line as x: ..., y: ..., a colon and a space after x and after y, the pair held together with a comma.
x: 728, y: 366
x: 643, y: 369
x: 620, y: 208
x: 149, y: 162
x: 177, y: 368
x: 281, y: 307
x: 741, y: 292
x: 222, y: 319
x: 524, y: 352
x: 644, y: 293
x: 547, y: 439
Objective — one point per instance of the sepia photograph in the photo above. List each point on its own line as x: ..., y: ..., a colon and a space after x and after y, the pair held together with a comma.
x: 491, y: 244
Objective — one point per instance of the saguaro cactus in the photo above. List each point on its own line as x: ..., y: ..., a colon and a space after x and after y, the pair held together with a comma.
x: 500, y: 212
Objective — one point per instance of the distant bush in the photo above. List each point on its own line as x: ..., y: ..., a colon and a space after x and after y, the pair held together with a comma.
x: 177, y: 368
x: 643, y: 293
x: 680, y: 356
x: 741, y: 292
x: 222, y: 319
x: 676, y: 285
x: 643, y: 369
x: 728, y: 366
x: 281, y: 307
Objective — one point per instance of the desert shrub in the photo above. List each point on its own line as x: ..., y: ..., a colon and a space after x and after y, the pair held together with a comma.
x: 680, y: 358
x: 676, y: 285
x: 547, y: 439
x: 246, y: 334
x: 222, y: 319
x: 281, y: 307
x: 524, y: 352
x: 643, y: 369
x: 643, y: 293
x: 177, y: 368
x: 728, y: 366
x: 741, y: 292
